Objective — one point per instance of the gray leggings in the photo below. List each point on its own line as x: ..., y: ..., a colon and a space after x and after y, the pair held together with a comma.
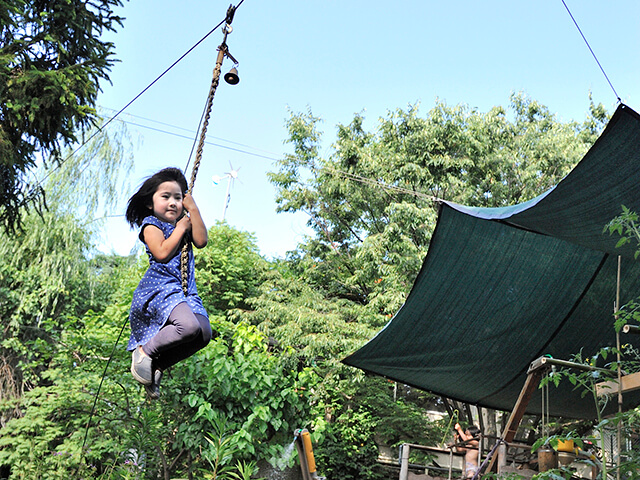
x: 183, y: 335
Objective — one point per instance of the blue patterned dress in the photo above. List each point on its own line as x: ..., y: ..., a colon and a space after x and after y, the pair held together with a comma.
x: 160, y: 290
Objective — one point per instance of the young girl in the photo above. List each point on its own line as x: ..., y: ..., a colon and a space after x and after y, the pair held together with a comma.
x: 167, y: 326
x: 470, y: 437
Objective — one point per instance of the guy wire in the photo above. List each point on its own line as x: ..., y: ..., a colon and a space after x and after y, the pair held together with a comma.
x: 592, y: 53
x: 95, y: 400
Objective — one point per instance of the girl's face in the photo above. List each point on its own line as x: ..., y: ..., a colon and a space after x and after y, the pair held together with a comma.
x: 167, y: 202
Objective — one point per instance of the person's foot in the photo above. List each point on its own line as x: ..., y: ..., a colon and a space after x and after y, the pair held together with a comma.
x: 153, y: 390
x: 141, y: 367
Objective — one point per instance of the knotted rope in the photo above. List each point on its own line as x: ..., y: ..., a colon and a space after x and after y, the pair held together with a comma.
x: 222, y: 52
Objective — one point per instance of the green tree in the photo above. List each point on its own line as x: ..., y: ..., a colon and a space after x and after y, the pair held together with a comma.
x: 351, y: 412
x: 372, y: 202
x: 237, y: 381
x: 48, y: 270
x: 372, y: 205
x: 229, y: 270
x: 52, y: 59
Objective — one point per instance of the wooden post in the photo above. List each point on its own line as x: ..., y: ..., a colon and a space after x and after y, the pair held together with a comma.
x: 628, y: 383
x: 404, y: 461
x: 502, y: 456
x: 530, y: 385
x: 509, y: 432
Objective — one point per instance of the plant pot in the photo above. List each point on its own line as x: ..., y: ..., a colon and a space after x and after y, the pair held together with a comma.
x: 547, y: 459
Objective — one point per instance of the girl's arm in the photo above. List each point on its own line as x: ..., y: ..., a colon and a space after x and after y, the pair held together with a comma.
x: 163, y: 249
x: 199, y: 234
x: 462, y: 433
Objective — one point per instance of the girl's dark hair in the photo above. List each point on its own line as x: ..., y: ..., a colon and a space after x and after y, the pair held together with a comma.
x: 140, y: 205
x: 473, y: 431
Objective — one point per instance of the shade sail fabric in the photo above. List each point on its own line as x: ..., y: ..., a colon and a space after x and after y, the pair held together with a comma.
x: 500, y: 287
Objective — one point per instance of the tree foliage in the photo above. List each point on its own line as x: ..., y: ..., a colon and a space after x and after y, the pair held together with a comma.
x: 372, y: 204
x: 373, y: 201
x: 229, y: 270
x: 281, y: 327
x: 52, y: 59
x: 48, y: 270
x: 236, y: 381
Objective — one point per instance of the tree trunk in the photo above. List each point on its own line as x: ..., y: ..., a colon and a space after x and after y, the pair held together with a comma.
x: 165, y: 467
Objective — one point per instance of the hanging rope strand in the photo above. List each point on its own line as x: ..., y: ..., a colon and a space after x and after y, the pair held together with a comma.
x: 222, y: 52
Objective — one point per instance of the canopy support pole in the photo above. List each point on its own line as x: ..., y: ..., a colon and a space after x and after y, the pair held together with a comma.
x: 615, y: 311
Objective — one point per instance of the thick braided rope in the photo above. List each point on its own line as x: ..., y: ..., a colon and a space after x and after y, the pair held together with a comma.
x: 184, y: 256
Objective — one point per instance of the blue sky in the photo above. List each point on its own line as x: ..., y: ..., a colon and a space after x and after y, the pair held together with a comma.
x: 339, y: 58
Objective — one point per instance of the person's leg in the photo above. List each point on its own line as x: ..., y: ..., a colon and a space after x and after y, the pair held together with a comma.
x: 181, y: 327
x: 173, y: 355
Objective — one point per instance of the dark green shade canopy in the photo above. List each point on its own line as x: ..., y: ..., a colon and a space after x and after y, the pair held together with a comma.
x: 500, y: 287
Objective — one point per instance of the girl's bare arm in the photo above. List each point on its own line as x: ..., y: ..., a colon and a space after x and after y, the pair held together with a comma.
x: 163, y: 249
x: 199, y: 234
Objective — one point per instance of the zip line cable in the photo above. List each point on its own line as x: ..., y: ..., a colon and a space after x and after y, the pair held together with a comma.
x: 218, y: 26
x: 348, y: 176
x: 382, y: 185
x: 592, y: 53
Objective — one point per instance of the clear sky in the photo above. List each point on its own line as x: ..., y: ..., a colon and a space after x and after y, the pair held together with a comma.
x: 339, y: 58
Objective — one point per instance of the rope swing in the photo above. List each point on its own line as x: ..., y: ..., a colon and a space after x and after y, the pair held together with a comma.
x: 232, y: 78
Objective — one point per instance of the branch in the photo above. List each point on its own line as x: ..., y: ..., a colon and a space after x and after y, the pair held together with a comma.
x: 165, y: 467
x: 175, y: 460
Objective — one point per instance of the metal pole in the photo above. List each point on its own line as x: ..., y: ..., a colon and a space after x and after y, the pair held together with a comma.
x: 547, y: 361
x: 226, y: 199
x: 304, y: 466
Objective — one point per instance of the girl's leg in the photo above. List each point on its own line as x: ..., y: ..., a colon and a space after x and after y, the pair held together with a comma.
x: 174, y: 355
x: 181, y: 327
